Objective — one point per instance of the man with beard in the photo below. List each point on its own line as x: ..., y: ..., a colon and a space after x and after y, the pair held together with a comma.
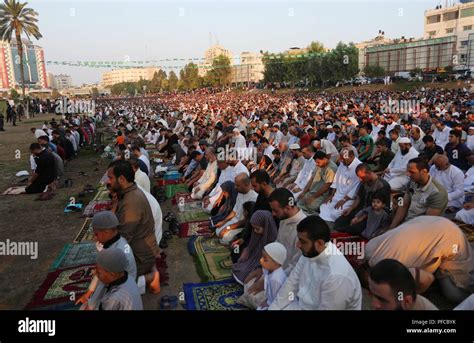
x: 393, y: 287
x: 425, y: 195
x: 395, y: 174
x: 137, y: 224
x: 322, y: 279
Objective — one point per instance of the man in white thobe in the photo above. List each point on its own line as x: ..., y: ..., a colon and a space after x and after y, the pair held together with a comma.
x: 451, y: 178
x: 227, y: 174
x: 396, y: 172
x: 344, y: 187
x: 305, y: 175
x: 322, y: 279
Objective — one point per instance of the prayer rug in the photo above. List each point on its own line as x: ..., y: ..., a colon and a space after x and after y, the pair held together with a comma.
x: 62, y: 286
x: 163, y: 182
x: 85, y: 234
x: 102, y: 195
x: 171, y: 190
x: 192, y: 216
x: 96, y: 206
x: 213, y: 296
x: 195, y: 229
x: 75, y: 254
x: 213, y: 261
x: 186, y: 196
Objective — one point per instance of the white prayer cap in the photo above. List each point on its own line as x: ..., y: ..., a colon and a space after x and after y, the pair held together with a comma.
x: 404, y: 140
x: 471, y: 127
x: 236, y: 130
x: 112, y: 259
x: 295, y: 146
x: 456, y: 114
x: 265, y: 125
x: 276, y: 251
x: 329, y: 127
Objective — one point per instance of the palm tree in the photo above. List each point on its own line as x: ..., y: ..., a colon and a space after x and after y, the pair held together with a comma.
x: 17, y: 19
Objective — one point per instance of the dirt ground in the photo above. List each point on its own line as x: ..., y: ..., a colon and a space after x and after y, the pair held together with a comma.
x: 24, y: 219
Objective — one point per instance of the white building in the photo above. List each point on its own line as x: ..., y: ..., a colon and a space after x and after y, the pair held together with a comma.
x: 250, y: 69
x: 457, y: 20
x: 113, y: 77
x: 210, y: 54
x: 60, y: 81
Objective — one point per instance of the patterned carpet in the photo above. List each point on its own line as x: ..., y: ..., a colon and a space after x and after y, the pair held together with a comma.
x: 212, y: 259
x: 213, y: 296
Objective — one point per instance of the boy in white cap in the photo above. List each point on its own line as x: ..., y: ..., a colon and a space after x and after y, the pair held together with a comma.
x: 105, y: 226
x: 273, y: 257
x: 120, y: 292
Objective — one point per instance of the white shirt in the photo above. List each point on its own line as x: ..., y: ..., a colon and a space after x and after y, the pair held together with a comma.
x: 239, y: 168
x: 239, y: 208
x: 288, y: 237
x: 157, y: 214
x: 470, y: 142
x: 268, y: 151
x: 452, y: 180
x: 278, y: 138
x: 147, y: 163
x: 226, y: 175
x: 305, y: 174
x: 469, y: 180
x: 272, y: 283
x: 331, y: 136
x: 346, y: 181
x: 398, y: 166
x: 324, y: 282
x: 329, y: 148
x: 39, y: 133
x: 441, y: 137
x: 142, y: 180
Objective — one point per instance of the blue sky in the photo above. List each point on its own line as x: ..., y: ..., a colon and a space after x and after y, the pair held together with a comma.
x: 107, y: 30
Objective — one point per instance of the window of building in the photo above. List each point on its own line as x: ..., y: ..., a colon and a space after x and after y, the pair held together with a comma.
x: 464, y: 43
x: 467, y: 12
x: 433, y: 19
x: 450, y: 15
x: 431, y: 33
x: 451, y: 30
x: 467, y: 28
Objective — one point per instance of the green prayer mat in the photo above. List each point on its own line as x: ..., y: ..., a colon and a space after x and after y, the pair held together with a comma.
x: 171, y: 190
x: 195, y: 215
x: 212, y: 259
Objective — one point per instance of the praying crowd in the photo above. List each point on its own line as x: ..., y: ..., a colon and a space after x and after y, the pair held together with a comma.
x: 280, y: 175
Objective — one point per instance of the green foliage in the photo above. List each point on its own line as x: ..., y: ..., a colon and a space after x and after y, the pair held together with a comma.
x: 374, y: 71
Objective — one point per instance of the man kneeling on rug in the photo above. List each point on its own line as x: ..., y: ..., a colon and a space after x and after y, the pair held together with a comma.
x: 121, y: 291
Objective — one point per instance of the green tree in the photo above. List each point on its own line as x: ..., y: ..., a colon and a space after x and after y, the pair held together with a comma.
x: 374, y: 71
x: 219, y: 74
x: 17, y: 19
x: 14, y: 95
x: 316, y: 47
x: 94, y: 92
x: 172, y: 81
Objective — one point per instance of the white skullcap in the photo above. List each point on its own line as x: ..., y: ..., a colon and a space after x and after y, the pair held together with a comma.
x: 295, y: 146
x: 276, y: 251
x: 404, y: 140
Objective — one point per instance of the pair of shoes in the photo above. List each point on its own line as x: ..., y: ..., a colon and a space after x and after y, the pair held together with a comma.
x: 67, y: 183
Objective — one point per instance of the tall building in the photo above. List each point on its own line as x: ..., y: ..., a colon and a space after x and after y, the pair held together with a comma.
x: 110, y: 78
x: 457, y: 20
x: 60, y: 81
x: 380, y: 39
x: 250, y: 69
x: 34, y: 66
x: 210, y: 54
